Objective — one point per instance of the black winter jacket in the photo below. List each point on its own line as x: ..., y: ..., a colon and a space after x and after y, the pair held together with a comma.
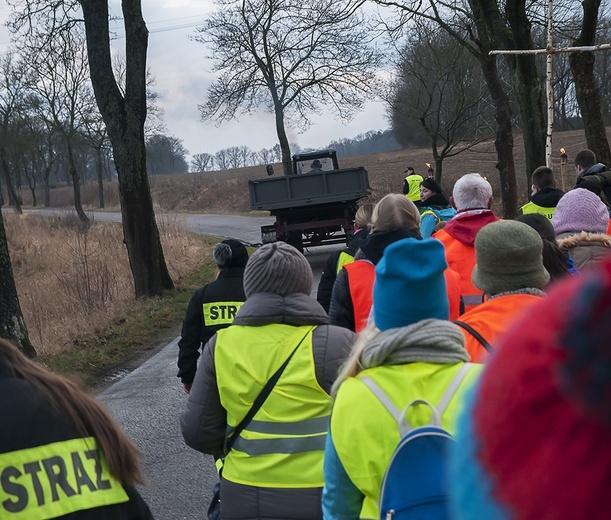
x: 228, y: 287
x: 52, y: 477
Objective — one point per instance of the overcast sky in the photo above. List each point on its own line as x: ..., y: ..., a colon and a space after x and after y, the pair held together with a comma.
x: 182, y: 76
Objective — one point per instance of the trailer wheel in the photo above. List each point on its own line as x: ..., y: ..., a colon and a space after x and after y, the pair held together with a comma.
x: 294, y: 238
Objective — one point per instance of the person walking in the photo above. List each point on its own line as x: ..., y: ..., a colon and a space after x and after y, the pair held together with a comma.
x: 434, y: 207
x: 335, y: 262
x: 545, y: 196
x: 581, y: 221
x: 472, y: 198
x: 212, y: 307
x: 62, y: 455
x: 280, y: 341
x: 411, y: 352
x: 411, y: 185
x: 509, y: 270
x: 533, y: 441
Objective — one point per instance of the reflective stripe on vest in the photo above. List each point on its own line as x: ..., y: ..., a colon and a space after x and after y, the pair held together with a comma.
x: 283, y: 446
x: 361, y: 275
x: 56, y: 479
x: 413, y: 182
x: 220, y: 313
x: 344, y: 258
x: 365, y: 441
x: 531, y: 207
x: 461, y: 258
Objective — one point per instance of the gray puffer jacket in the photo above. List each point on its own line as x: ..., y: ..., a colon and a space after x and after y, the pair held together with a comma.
x: 204, y: 420
x: 585, y: 249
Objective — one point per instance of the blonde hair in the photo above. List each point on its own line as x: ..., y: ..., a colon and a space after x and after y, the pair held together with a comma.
x: 362, y: 219
x: 353, y: 366
x: 88, y: 415
x: 395, y: 211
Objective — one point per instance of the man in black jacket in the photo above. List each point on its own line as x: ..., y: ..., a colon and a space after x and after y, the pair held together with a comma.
x: 212, y: 307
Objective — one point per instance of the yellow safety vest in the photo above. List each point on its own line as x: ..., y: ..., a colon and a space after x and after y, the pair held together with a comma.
x: 364, y: 433
x: 344, y: 258
x: 283, y: 446
x: 56, y: 479
x: 531, y: 207
x: 414, y: 187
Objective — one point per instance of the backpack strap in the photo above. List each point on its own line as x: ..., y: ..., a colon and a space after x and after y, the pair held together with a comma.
x: 475, y: 334
x: 436, y: 412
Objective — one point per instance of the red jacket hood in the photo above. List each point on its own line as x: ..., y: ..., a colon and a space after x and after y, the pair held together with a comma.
x: 465, y: 227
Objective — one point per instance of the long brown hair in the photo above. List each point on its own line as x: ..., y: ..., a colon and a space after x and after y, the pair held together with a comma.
x: 88, y: 416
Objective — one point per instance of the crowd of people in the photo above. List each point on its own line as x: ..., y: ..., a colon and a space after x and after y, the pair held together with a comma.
x: 436, y: 313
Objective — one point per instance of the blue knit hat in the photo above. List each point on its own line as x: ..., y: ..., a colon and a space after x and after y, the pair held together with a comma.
x: 410, y: 284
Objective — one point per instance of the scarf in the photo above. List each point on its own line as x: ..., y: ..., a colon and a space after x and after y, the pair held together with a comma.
x: 431, y: 341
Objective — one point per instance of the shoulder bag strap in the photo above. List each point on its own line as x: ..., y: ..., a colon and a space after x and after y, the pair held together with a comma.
x: 263, y: 395
x: 475, y: 334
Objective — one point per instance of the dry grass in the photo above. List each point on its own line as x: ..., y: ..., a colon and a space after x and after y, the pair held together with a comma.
x: 227, y: 191
x: 73, y: 280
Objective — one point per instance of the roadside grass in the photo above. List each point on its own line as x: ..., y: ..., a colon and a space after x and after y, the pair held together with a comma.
x: 122, y: 344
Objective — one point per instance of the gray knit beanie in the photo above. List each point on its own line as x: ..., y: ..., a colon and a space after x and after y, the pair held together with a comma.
x: 277, y: 268
x: 509, y: 257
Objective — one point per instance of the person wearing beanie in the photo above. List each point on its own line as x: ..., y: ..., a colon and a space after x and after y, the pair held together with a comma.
x: 472, y: 198
x: 411, y: 352
x: 336, y: 260
x: 274, y: 467
x: 509, y: 270
x: 533, y: 440
x: 434, y: 207
x: 212, y: 307
x: 581, y: 221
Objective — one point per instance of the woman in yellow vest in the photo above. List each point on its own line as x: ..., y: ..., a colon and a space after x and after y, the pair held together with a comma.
x: 274, y: 468
x: 61, y: 454
x: 410, y: 352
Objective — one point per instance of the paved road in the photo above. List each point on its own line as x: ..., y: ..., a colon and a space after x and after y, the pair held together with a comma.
x: 148, y: 401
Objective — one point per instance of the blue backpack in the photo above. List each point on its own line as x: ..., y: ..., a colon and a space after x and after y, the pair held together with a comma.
x: 414, y: 485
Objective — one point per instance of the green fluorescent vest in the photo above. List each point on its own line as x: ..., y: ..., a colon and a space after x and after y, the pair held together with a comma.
x: 56, y: 479
x: 531, y: 207
x: 414, y: 187
x: 364, y: 433
x: 344, y: 258
x: 283, y: 446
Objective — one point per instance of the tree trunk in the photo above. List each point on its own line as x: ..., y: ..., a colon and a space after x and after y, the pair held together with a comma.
x: 124, y: 118
x: 586, y: 88
x: 283, y: 140
x: 47, y: 188
x: 12, y: 324
x: 527, y: 86
x: 76, y: 186
x: 100, y: 167
x: 13, y: 199
x: 488, y: 23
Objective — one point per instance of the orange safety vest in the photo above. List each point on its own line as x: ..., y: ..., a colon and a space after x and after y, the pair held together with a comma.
x: 453, y: 290
x: 491, y: 319
x: 361, y: 275
x: 461, y: 258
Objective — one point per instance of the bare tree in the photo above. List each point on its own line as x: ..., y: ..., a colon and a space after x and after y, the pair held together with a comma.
x: 222, y: 160
x: 438, y: 84
x: 202, y: 162
x: 291, y: 57
x: 13, y: 93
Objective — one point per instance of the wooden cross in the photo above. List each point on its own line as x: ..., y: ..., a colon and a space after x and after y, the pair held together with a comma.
x: 551, y: 50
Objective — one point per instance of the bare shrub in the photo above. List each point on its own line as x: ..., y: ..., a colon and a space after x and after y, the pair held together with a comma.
x: 73, y: 280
